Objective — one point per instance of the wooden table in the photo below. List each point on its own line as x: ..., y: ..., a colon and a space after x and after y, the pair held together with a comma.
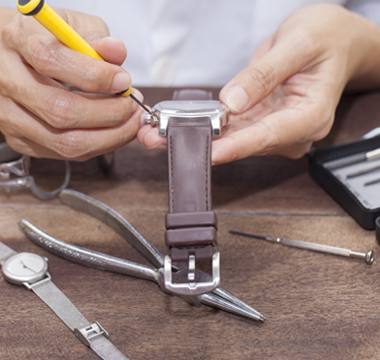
x: 317, y: 306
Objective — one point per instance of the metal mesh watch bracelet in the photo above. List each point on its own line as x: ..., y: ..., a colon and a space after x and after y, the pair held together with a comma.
x: 32, y: 273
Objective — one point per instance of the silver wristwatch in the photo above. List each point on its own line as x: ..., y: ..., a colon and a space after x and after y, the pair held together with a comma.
x: 189, y: 121
x: 31, y: 270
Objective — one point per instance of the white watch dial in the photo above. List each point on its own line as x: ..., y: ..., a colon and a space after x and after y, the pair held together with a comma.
x: 24, y: 267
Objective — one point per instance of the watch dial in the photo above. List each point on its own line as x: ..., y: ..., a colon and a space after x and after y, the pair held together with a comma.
x: 24, y: 267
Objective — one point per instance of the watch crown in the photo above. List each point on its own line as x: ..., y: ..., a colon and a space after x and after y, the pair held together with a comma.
x: 151, y: 119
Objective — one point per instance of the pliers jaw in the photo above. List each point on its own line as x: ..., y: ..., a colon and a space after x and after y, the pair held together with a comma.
x: 188, y: 281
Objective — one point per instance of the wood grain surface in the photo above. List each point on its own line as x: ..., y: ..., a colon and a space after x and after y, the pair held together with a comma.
x: 317, y: 306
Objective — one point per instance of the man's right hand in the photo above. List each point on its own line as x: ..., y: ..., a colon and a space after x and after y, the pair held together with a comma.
x: 39, y: 116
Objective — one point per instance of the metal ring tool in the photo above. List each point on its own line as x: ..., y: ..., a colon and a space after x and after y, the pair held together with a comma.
x: 16, y: 164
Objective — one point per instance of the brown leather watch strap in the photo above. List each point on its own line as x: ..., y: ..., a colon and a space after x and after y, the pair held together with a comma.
x: 191, y: 225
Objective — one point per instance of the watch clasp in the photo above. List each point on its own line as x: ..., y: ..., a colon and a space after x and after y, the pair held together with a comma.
x: 89, y: 332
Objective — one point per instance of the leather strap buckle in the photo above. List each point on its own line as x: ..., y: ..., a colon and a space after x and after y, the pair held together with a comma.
x: 191, y: 285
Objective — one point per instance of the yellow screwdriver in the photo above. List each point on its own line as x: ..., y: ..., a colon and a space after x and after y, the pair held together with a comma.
x: 46, y: 16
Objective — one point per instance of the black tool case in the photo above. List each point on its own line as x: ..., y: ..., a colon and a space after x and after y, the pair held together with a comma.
x: 360, y: 201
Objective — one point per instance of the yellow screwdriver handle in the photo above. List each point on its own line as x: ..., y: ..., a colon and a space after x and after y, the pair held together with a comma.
x: 46, y: 16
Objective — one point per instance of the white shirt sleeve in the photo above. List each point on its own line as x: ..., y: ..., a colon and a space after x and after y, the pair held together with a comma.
x: 194, y: 42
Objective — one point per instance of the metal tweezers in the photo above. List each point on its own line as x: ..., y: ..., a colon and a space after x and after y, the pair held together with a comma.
x: 218, y: 298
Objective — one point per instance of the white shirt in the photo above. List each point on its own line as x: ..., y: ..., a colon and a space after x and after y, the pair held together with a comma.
x: 193, y: 42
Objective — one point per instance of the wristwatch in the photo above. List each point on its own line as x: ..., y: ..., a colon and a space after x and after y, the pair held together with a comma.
x: 189, y: 121
x: 31, y: 270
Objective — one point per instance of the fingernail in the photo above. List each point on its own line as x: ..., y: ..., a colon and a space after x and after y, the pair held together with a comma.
x: 236, y: 98
x: 112, y: 38
x: 121, y: 81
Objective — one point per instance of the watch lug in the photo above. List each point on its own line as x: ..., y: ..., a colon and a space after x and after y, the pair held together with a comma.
x: 218, y: 120
x: 38, y: 282
x: 163, y: 124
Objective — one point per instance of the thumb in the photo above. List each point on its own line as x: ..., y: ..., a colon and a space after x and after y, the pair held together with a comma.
x: 260, y: 78
x: 111, y: 49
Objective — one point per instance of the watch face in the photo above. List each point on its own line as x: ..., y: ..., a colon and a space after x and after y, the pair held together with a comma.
x: 24, y: 267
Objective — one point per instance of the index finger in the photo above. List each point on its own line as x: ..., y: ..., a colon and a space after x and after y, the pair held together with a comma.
x: 73, y: 63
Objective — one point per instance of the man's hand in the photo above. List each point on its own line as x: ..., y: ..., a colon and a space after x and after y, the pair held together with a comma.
x: 39, y: 116
x: 285, y: 99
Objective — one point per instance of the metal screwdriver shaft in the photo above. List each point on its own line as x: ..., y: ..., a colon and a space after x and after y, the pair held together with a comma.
x: 140, y: 103
x: 368, y: 257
